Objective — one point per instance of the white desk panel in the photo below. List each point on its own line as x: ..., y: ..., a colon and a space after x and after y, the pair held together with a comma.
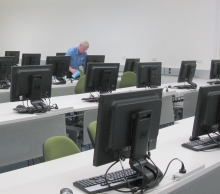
x: 50, y: 177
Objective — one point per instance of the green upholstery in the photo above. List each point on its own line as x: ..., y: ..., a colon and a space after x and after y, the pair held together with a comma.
x: 58, y: 147
x: 128, y: 79
x: 81, y: 72
x: 79, y: 88
x: 92, y: 132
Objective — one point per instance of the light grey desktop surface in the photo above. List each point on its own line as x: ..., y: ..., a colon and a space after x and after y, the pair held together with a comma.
x: 22, y: 135
x: 50, y: 177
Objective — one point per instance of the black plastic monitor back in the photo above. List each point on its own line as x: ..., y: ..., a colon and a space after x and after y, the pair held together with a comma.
x: 30, y: 59
x: 207, y: 113
x: 93, y: 58
x: 131, y: 64
x: 123, y: 116
x: 187, y: 71
x: 60, y: 54
x: 101, y: 77
x: 5, y: 67
x: 60, y: 65
x: 215, y: 69
x: 23, y: 85
x: 16, y: 54
x: 149, y: 74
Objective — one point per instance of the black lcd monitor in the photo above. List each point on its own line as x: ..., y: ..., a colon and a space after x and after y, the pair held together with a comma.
x: 186, y: 74
x: 30, y: 59
x: 131, y: 64
x: 93, y: 58
x: 127, y: 127
x: 16, y: 54
x: 214, y: 72
x: 60, y: 68
x: 149, y: 74
x: 207, y: 113
x: 5, y: 71
x: 31, y: 83
x: 101, y: 77
x: 60, y: 54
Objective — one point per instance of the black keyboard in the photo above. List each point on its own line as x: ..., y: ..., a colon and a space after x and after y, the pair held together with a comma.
x: 115, y: 179
x: 203, y: 144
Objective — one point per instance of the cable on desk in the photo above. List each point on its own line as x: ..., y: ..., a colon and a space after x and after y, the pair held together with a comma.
x: 134, y: 189
x: 182, y: 169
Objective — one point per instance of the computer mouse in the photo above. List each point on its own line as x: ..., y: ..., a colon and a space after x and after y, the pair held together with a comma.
x: 66, y: 191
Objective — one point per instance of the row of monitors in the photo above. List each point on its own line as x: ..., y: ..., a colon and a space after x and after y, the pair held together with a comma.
x: 148, y: 74
x: 27, y: 58
x: 187, y: 69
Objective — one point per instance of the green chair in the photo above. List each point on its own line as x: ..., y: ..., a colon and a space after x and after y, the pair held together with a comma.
x: 79, y: 88
x: 81, y: 72
x: 128, y: 79
x: 58, y: 147
x: 92, y: 132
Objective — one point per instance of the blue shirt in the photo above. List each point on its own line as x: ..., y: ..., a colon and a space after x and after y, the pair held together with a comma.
x: 76, y: 59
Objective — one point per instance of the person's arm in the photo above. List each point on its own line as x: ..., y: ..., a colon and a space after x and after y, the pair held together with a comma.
x: 72, y: 70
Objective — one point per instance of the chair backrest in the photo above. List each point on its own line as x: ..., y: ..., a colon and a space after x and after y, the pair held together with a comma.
x: 81, y: 72
x: 128, y: 79
x: 79, y: 88
x: 92, y: 132
x: 58, y: 147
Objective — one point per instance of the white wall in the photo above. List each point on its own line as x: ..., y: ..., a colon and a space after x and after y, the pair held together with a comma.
x: 168, y: 30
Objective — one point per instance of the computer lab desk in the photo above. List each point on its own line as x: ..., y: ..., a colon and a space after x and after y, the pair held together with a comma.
x: 57, y: 90
x: 188, y: 98
x: 22, y: 135
x: 50, y: 177
x: 90, y: 109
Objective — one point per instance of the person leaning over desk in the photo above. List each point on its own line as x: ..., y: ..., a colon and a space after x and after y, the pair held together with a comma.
x: 77, y: 56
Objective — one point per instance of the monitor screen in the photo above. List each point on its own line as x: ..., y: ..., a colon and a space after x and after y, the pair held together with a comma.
x: 131, y: 64
x: 186, y: 74
x: 127, y: 127
x: 31, y: 83
x: 60, y: 54
x: 16, y: 54
x: 60, y: 67
x: 93, y: 58
x: 5, y: 68
x: 149, y: 74
x: 207, y: 118
x: 30, y: 59
x: 101, y: 77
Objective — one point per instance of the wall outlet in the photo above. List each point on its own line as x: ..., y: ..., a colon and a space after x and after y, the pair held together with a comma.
x: 154, y: 59
x: 189, y: 171
x: 123, y: 57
